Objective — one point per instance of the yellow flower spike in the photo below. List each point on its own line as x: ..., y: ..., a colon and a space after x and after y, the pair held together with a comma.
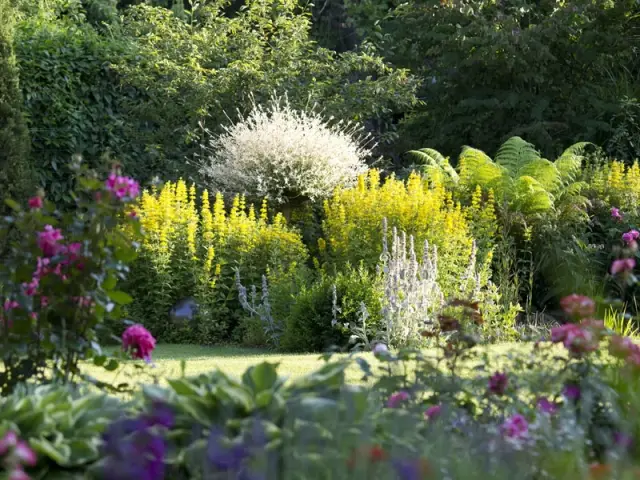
x: 264, y: 211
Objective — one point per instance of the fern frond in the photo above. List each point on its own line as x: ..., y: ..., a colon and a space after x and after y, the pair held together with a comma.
x: 569, y: 164
x: 544, y: 171
x: 529, y: 196
x: 430, y: 160
x: 514, y: 154
x: 477, y: 168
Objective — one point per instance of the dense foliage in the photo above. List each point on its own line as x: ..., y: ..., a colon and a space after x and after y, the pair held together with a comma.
x: 142, y: 87
x: 193, y: 248
x: 15, y: 167
x: 59, y: 279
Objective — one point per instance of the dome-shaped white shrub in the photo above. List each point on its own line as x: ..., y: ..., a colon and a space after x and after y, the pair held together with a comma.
x: 285, y: 155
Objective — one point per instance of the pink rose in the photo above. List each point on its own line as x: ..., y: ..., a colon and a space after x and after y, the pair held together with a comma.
x: 35, y: 203
x: 139, y: 342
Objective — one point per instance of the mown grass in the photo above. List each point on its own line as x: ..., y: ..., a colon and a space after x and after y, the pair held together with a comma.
x: 169, y: 360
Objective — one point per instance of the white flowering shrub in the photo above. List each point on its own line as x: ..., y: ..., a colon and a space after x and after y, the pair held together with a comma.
x: 286, y: 155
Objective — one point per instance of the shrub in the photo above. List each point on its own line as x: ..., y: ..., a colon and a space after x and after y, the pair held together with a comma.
x: 16, y: 173
x: 192, y: 249
x: 320, y: 313
x: 285, y: 155
x: 353, y: 222
x: 59, y: 279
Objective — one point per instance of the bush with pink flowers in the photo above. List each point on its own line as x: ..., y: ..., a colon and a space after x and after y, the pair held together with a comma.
x: 59, y: 279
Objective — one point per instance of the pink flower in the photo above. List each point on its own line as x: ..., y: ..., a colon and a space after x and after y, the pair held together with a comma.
x: 122, y: 187
x: 581, y: 340
x: 630, y: 237
x: 623, y: 265
x: 397, y: 398
x: 23, y: 453
x: 18, y: 474
x: 35, y: 203
x: 139, y: 341
x: 578, y: 305
x: 547, y: 406
x: 133, y: 214
x: 515, y: 427
x: 7, y: 442
x: 433, y: 412
x: 48, y: 241
x: 10, y: 305
x: 30, y: 289
x: 498, y: 383
x: 621, y: 347
x: 44, y: 301
x: 615, y: 214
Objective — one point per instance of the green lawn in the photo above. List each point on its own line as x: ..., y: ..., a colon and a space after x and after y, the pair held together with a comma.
x: 167, y: 360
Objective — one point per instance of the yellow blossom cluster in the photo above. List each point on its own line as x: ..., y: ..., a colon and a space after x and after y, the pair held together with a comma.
x: 180, y: 227
x: 353, y: 220
x: 618, y: 185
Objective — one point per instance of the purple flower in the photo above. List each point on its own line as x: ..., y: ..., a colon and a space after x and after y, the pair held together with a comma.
x: 547, y: 406
x: 622, y: 440
x: 498, y: 383
x: 397, y: 398
x: 132, y: 452
x: 571, y: 392
x: 232, y: 457
x: 411, y: 469
x: 515, y: 427
x: 615, y: 214
x: 161, y: 415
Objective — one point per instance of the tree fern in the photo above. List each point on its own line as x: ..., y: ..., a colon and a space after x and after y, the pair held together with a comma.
x: 432, y: 162
x: 515, y: 154
x: 530, y: 197
x: 477, y: 168
x: 569, y: 164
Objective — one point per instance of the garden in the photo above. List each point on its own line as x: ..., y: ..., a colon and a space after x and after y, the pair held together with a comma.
x: 269, y: 239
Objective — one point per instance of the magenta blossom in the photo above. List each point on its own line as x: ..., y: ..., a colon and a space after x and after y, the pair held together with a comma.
x: 498, y: 383
x: 10, y: 305
x: 572, y: 392
x: 30, y: 289
x: 122, y: 187
x: 630, y: 237
x: 623, y: 265
x: 547, y: 406
x: 139, y: 342
x: 48, y: 241
x: 35, y: 203
x: 433, y: 412
x: 515, y: 427
x: 615, y: 214
x: 397, y: 398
